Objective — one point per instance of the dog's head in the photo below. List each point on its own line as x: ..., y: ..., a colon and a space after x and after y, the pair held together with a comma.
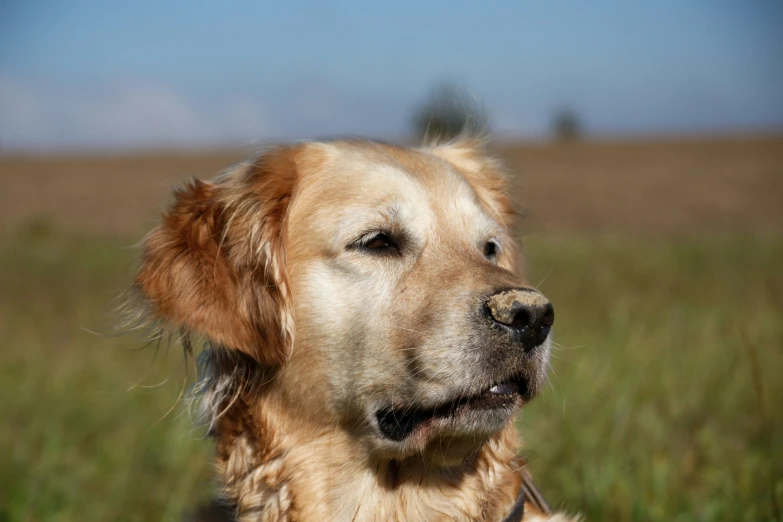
x: 377, y: 283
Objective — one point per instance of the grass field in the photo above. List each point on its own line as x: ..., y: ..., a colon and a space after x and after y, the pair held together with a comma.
x: 663, y: 399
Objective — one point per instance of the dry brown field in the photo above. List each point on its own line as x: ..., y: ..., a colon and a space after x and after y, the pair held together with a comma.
x: 664, y: 187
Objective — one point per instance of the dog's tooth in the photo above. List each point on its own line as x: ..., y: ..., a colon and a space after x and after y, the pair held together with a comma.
x: 501, y: 389
x: 506, y: 388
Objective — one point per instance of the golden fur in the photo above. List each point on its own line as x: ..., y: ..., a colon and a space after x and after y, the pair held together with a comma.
x: 317, y: 325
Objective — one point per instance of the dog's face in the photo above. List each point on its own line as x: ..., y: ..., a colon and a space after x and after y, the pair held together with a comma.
x: 392, y: 270
x: 383, y: 292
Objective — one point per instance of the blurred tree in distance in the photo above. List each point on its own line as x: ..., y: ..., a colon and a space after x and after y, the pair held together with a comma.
x: 447, y: 112
x: 566, y: 125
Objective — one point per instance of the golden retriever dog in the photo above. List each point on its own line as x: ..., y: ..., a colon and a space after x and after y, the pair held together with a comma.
x: 368, y: 344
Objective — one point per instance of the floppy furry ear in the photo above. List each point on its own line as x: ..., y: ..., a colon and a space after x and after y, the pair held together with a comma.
x: 488, y: 178
x: 216, y: 263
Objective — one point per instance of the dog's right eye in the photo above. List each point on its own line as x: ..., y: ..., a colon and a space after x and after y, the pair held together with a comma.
x: 379, y: 243
x: 491, y: 250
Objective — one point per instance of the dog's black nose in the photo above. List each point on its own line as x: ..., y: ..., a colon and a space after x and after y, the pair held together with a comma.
x: 526, y: 312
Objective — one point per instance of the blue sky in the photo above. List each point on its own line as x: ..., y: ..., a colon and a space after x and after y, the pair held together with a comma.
x: 80, y: 74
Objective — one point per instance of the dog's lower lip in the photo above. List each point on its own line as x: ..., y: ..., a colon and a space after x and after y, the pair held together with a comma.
x: 399, y: 422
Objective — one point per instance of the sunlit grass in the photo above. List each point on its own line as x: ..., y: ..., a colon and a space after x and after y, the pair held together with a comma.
x: 664, y: 405
x: 76, y: 444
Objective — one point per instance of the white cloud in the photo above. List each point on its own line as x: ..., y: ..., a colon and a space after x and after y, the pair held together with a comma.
x: 128, y: 114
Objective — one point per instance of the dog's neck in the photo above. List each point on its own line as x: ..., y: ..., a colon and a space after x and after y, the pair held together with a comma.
x: 273, y: 469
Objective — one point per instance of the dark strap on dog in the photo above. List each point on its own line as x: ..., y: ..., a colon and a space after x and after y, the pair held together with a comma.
x: 533, y: 495
x: 527, y: 493
x: 518, y: 509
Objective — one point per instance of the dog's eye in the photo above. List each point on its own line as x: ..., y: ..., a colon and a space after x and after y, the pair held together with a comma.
x: 379, y: 243
x: 490, y: 250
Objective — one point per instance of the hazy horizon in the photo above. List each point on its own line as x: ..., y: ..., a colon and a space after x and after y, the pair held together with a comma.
x: 86, y: 76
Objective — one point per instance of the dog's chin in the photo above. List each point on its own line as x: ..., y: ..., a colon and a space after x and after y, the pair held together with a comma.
x: 471, y: 419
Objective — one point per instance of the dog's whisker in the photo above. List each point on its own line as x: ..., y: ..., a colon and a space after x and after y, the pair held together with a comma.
x: 538, y: 286
x: 406, y: 329
x: 561, y: 347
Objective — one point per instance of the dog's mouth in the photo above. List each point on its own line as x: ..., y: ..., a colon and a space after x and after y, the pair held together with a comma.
x: 398, y: 423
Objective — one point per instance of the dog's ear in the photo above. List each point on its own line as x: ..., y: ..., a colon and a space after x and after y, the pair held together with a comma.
x: 489, y: 180
x: 215, y: 265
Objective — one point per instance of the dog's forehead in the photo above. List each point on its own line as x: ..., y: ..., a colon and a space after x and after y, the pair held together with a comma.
x: 352, y: 175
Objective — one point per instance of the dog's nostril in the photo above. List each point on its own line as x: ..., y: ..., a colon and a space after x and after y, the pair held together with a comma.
x: 521, y: 319
x: 548, y: 319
